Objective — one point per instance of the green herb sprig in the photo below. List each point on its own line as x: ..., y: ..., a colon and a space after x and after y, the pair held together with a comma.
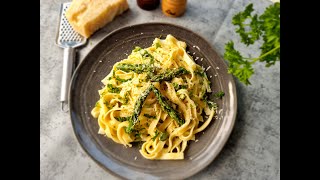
x: 266, y: 26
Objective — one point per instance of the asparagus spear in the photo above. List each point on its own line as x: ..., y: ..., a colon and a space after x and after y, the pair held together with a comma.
x: 137, y: 109
x: 163, y: 103
x: 122, y: 80
x: 169, y: 74
x: 144, y: 53
x: 201, y: 73
x: 137, y: 68
x: 166, y: 107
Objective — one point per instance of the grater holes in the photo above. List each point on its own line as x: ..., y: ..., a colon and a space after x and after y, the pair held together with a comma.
x: 68, y: 35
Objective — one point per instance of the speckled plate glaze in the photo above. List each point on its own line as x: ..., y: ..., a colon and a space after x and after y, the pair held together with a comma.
x: 114, y: 157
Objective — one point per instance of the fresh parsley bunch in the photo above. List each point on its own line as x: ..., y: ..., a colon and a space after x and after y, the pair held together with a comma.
x: 266, y: 26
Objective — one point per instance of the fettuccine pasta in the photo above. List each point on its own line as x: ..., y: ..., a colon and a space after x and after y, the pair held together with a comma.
x: 158, y: 96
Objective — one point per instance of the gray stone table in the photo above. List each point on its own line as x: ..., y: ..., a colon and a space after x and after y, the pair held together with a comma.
x: 253, y: 150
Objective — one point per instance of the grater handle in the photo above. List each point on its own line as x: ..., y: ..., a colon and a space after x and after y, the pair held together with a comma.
x: 68, y: 59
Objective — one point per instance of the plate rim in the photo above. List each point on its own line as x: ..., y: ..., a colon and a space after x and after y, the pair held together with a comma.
x: 227, y: 134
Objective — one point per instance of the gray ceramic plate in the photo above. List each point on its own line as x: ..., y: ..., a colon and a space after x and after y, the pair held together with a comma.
x: 119, y: 160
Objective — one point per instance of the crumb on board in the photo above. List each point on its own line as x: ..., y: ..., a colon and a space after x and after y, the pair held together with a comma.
x: 194, y: 53
x: 217, y: 68
x: 208, y: 68
x: 100, y: 61
x: 201, y: 59
x: 135, y: 158
x: 196, y: 140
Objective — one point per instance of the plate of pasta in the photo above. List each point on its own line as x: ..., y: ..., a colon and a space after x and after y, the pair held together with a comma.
x: 152, y: 101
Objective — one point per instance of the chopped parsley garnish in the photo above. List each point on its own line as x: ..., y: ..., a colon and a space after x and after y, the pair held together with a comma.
x: 219, y: 94
x: 155, y: 135
x: 178, y: 86
x: 121, y: 119
x: 164, y: 136
x: 158, y: 45
x: 113, y: 89
x: 136, y: 49
x: 122, y: 80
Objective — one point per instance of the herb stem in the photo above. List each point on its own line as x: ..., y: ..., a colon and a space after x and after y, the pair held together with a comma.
x: 271, y: 51
x: 265, y: 54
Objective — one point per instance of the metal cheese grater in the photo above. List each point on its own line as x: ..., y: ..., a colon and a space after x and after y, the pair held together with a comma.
x: 68, y: 39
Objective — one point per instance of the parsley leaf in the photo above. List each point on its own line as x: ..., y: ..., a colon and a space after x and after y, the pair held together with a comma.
x: 239, y: 20
x: 158, y: 45
x: 266, y: 26
x: 219, y: 94
x: 238, y: 66
x: 113, y: 89
x: 178, y: 86
x: 212, y: 105
x: 136, y: 49
x: 270, y: 50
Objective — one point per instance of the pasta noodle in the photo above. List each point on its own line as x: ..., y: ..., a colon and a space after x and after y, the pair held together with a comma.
x: 158, y: 96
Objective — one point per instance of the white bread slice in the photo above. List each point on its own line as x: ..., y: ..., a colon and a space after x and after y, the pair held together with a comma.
x: 87, y: 16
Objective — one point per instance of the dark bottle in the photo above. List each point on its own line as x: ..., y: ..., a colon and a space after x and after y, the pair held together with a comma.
x: 148, y: 4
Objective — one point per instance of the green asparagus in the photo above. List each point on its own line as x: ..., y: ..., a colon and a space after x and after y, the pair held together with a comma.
x: 137, y: 68
x: 166, y: 107
x: 169, y: 74
x: 137, y: 109
x: 122, y: 80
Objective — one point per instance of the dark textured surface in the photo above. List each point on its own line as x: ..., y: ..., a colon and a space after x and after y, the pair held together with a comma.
x: 253, y: 150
